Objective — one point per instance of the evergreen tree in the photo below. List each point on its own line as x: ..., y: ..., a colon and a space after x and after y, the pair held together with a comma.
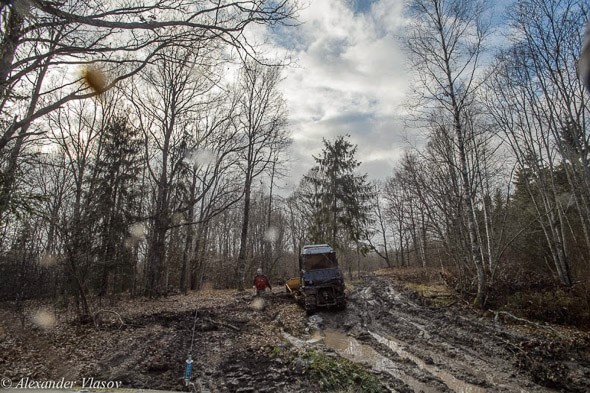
x: 116, y: 198
x: 339, y: 198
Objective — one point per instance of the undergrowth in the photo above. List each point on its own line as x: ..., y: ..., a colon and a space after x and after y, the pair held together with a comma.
x: 524, y: 293
x: 557, y: 306
x: 339, y: 374
x: 332, y: 373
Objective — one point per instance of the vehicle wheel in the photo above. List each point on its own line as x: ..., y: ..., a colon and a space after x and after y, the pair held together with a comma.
x: 310, y: 305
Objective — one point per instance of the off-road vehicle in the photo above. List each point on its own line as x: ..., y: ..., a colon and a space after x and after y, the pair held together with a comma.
x: 321, y: 283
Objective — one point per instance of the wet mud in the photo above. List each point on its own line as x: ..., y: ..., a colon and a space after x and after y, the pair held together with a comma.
x: 242, y: 344
x: 439, y: 349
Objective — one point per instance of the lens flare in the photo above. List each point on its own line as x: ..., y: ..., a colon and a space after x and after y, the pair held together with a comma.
x: 44, y: 319
x: 258, y: 304
x: 271, y: 235
x: 95, y: 79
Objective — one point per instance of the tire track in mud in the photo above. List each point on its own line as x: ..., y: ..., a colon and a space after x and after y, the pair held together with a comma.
x: 428, y: 349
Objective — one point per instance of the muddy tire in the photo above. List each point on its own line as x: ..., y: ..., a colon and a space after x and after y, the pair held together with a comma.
x: 310, y: 309
x: 310, y: 305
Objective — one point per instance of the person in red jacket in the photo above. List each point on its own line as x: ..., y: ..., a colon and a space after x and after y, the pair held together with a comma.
x: 261, y: 282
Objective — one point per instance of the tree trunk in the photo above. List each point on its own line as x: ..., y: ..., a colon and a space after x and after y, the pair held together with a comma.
x: 156, y: 256
x: 8, y: 46
x: 480, y: 298
x: 188, y: 244
x: 244, y: 234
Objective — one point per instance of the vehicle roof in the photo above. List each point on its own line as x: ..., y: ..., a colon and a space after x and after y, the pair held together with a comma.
x: 317, y: 249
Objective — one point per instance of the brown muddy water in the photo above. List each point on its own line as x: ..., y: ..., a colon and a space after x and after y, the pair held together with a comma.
x: 351, y: 349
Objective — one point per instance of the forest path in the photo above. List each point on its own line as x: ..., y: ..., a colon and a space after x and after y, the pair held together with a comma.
x: 449, y: 349
x: 243, y: 344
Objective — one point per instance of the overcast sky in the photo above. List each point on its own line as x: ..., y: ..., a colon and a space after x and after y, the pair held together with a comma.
x: 348, y: 79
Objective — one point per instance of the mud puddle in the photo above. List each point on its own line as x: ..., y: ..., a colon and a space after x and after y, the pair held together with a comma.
x: 353, y: 350
x: 430, y: 349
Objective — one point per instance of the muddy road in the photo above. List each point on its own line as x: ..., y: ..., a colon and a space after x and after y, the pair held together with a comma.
x: 392, y: 338
x: 447, y: 349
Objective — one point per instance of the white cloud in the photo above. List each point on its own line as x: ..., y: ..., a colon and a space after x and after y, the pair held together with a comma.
x: 349, y: 78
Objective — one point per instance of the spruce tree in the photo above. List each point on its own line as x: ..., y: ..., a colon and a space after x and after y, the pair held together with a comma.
x: 116, y: 199
x: 339, y: 197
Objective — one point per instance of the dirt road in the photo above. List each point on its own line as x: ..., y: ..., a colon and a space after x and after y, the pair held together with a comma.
x: 440, y: 349
x: 240, y: 344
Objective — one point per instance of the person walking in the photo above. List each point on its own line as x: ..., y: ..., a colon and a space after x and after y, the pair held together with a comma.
x: 261, y: 282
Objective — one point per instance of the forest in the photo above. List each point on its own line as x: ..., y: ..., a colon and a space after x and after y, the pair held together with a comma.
x: 141, y: 145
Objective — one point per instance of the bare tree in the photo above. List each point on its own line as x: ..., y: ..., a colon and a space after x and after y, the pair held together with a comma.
x: 525, y: 133
x: 167, y: 98
x: 139, y: 31
x: 422, y: 205
x: 382, y: 249
x: 211, y: 165
x: 262, y: 123
x: 76, y: 130
x: 445, y: 41
x: 87, y: 50
x: 540, y: 107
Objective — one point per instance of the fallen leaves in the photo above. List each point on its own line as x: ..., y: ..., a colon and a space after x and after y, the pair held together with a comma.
x: 144, y: 342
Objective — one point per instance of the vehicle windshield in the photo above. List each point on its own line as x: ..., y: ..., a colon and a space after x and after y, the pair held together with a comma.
x: 320, y: 261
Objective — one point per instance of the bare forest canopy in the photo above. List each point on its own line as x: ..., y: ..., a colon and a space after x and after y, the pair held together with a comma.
x: 140, y: 145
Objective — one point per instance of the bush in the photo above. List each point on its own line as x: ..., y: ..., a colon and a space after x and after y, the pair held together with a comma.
x: 336, y: 373
x: 558, y: 306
